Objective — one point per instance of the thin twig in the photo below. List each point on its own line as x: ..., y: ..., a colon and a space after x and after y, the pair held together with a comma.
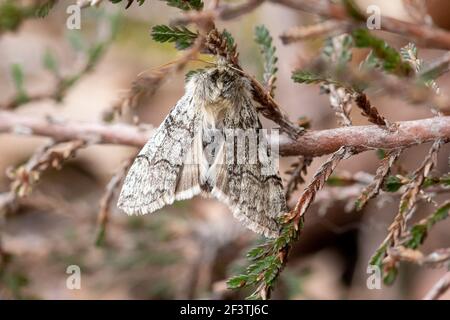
x: 428, y: 36
x: 408, y: 202
x: 51, y: 155
x: 107, y: 198
x: 369, y: 111
x: 297, y: 172
x: 221, y: 12
x: 431, y: 37
x: 439, y: 288
x: 383, y: 170
x: 341, y: 103
x: 89, y: 3
x: 301, y: 33
x: 317, y: 183
x: 418, y: 11
x: 435, y: 259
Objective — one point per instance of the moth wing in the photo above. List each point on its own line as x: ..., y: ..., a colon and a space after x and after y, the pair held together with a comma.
x: 165, y: 169
x: 254, y: 194
x: 254, y: 201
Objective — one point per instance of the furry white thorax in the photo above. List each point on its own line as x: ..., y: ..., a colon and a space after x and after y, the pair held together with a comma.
x: 211, y: 91
x: 214, y: 91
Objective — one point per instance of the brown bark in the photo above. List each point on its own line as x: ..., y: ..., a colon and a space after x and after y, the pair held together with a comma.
x: 312, y: 143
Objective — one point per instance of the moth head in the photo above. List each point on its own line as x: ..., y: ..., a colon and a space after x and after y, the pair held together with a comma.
x: 219, y: 84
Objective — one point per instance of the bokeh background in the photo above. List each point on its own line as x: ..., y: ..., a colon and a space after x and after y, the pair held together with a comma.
x: 187, y: 250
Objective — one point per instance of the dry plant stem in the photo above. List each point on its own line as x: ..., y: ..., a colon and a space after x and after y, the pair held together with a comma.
x: 271, y: 110
x: 439, y: 288
x: 417, y: 10
x: 301, y: 33
x: 369, y: 111
x: 221, y: 12
x: 424, y: 35
x: 217, y: 45
x: 88, y: 3
x: 108, y: 196
x: 420, y: 174
x: 408, y: 203
x: 404, y: 88
x: 317, y: 183
x: 120, y: 134
x: 350, y: 193
x: 232, y: 12
x: 312, y: 143
x: 341, y: 103
x: 394, y: 251
x: 409, y: 198
x: 8, y: 202
x: 340, y: 98
x: 3, y: 255
x: 51, y: 155
x: 296, y: 175
x: 442, y: 63
x: 13, y: 104
x: 409, y: 133
x: 436, y: 259
x: 383, y: 170
x: 431, y: 37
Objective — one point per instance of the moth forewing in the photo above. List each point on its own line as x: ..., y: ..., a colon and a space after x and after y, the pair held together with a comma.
x: 152, y: 180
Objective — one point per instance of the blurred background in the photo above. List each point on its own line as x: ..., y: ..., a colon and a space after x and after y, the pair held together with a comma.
x: 187, y: 250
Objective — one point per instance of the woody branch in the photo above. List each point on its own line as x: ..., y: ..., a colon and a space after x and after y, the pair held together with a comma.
x: 422, y: 34
x: 429, y: 36
x: 312, y: 143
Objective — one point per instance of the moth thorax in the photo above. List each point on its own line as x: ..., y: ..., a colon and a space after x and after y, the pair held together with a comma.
x: 215, y: 112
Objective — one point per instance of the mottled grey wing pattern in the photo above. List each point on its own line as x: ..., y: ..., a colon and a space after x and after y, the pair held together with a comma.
x: 254, y: 196
x: 176, y: 165
x: 157, y: 176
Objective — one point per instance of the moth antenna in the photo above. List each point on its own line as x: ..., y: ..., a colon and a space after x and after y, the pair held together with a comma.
x: 157, y: 69
x: 204, y: 61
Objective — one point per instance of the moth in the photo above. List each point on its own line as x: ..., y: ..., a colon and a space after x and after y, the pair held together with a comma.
x: 211, y: 144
